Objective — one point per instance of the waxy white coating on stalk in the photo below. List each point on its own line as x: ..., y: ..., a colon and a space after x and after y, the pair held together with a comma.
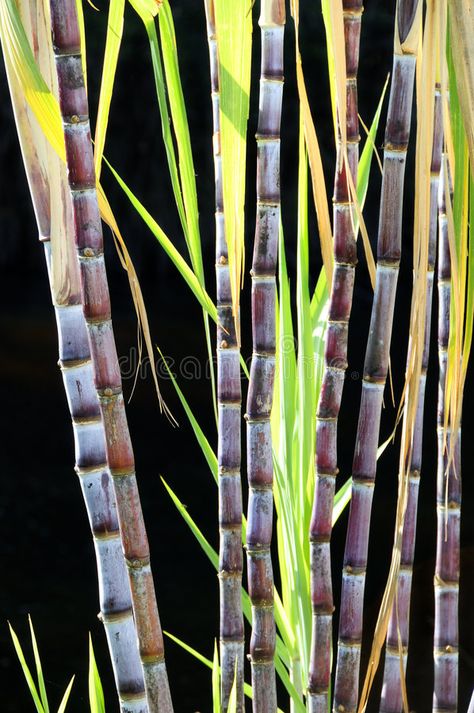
x: 335, y: 365
x: 407, y: 25
x: 99, y: 499
x: 262, y: 370
x: 448, y: 496
x: 231, y: 624
x: 391, y: 698
x: 97, y: 490
x: 95, y: 299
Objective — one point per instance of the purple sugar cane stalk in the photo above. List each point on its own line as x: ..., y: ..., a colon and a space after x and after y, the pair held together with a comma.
x: 346, y: 690
x: 448, y: 496
x: 97, y: 311
x: 345, y: 259
x: 262, y: 371
x: 391, y: 699
x: 91, y: 463
x: 231, y: 623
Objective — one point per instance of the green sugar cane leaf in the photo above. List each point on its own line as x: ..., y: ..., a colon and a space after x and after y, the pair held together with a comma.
x: 39, y: 668
x: 214, y: 559
x: 307, y: 396
x: 209, y: 454
x: 26, y: 671
x: 365, y: 161
x: 216, y: 692
x: 96, y: 693
x: 234, y: 41
x: 184, y: 183
x: 232, y: 707
x: 284, y: 400
x: 149, y: 23
x: 341, y: 499
x: 183, y: 140
x: 65, y: 698
x: 82, y: 34
x: 210, y: 552
x: 113, y: 41
x: 290, y: 688
x: 468, y: 327
x: 207, y: 662
x: 175, y: 256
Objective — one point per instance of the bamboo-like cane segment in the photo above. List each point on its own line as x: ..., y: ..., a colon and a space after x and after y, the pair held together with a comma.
x: 407, y: 27
x: 262, y: 371
x: 97, y: 489
x: 448, y: 496
x: 391, y: 699
x: 90, y: 456
x: 231, y: 623
x: 345, y: 259
x: 97, y: 311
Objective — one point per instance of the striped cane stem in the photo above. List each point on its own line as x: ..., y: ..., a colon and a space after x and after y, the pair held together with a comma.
x: 391, y: 699
x: 97, y: 490
x: 448, y: 497
x: 407, y: 26
x: 99, y: 499
x: 229, y: 397
x: 262, y: 371
x: 345, y: 259
x: 97, y: 311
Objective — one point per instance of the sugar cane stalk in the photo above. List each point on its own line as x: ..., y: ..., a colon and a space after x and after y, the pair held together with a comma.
x: 391, y: 698
x: 231, y: 624
x: 97, y: 311
x: 260, y: 394
x: 345, y: 259
x: 407, y: 26
x: 448, y: 495
x: 97, y: 489
x: 90, y: 456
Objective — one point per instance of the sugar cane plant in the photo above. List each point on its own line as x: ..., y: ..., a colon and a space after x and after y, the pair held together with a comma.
x: 231, y: 622
x: 398, y: 628
x: 294, y: 391
x: 345, y: 258
x: 262, y: 370
x: 74, y: 359
x: 407, y: 27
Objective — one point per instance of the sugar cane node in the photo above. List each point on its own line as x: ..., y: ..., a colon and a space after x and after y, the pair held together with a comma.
x: 138, y: 562
x: 65, y: 364
x: 114, y: 616
x: 86, y: 420
x: 82, y: 471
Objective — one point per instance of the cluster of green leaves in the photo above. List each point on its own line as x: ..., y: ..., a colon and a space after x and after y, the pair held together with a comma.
x: 38, y: 689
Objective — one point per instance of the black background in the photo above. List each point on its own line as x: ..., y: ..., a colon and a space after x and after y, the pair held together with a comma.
x: 46, y: 552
